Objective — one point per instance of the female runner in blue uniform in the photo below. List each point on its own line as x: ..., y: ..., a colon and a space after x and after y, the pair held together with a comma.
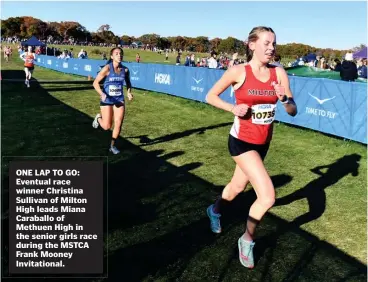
x: 112, y: 101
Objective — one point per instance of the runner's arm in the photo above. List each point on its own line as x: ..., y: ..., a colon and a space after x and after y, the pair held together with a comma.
x: 228, y: 78
x: 290, y: 105
x: 100, y: 76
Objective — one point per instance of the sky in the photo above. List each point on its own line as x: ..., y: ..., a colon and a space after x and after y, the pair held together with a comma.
x: 330, y: 24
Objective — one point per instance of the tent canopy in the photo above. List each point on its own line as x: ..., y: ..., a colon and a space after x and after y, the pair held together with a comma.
x: 137, y: 43
x: 361, y: 53
x: 33, y: 41
x: 310, y: 57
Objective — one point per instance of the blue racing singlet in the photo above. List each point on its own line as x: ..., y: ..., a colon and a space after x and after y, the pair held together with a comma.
x: 114, y: 85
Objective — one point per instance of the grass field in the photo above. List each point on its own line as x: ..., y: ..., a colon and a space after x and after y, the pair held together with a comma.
x: 174, y: 162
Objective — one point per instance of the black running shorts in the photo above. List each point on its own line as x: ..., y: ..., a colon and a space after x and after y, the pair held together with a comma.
x: 238, y: 147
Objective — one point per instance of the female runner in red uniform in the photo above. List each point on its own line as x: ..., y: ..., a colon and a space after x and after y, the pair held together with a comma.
x: 29, y: 59
x: 258, y: 87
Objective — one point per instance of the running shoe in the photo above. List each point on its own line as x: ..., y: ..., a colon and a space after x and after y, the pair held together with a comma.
x: 215, y: 220
x: 95, y: 123
x: 246, y: 252
x: 114, y: 150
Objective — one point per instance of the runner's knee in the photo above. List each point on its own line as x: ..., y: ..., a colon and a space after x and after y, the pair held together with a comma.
x: 105, y: 124
x: 108, y: 126
x: 267, y: 201
x: 237, y: 187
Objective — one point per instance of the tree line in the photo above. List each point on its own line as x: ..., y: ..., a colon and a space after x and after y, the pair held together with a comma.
x: 25, y: 27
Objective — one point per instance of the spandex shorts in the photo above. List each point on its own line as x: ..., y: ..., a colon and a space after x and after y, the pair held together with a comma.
x: 113, y: 101
x: 238, y: 147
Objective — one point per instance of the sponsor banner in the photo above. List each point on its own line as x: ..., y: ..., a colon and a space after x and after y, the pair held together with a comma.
x: 72, y: 66
x: 330, y: 106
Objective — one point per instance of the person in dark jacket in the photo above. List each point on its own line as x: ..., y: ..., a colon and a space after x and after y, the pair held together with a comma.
x: 362, y: 69
x: 337, y: 65
x: 349, y: 70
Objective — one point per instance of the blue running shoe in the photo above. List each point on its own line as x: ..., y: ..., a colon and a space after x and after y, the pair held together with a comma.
x: 246, y: 252
x: 215, y: 220
x: 114, y: 150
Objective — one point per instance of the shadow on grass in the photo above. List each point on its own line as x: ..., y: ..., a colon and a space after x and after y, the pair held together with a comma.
x: 158, y: 228
x: 145, y: 140
x: 18, y: 76
x: 68, y: 88
x: 314, y: 191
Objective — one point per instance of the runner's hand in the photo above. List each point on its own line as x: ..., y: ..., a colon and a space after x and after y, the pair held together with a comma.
x: 103, y: 97
x: 240, y: 110
x: 130, y: 96
x: 280, y: 90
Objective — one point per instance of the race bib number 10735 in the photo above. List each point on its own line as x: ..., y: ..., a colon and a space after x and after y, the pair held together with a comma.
x: 263, y: 113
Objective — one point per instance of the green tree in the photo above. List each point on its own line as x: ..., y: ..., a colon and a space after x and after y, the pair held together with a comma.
x: 231, y: 45
x: 214, y: 43
x: 202, y: 44
x: 126, y: 39
x: 11, y: 26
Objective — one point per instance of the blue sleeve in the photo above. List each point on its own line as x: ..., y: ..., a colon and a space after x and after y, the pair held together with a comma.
x: 364, y: 72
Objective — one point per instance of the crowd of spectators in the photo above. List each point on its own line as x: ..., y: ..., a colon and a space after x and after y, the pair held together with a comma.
x: 349, y: 68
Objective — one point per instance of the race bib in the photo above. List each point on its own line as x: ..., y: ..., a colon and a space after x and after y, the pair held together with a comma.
x: 115, y: 90
x: 263, y: 113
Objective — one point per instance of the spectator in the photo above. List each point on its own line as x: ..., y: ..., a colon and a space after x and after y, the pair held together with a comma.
x: 187, y: 61
x: 178, y: 59
x: 336, y: 66
x: 316, y: 62
x: 192, y: 60
x: 81, y: 54
x: 64, y: 55
x: 349, y: 71
x: 322, y: 63
x: 362, y: 69
x: 234, y: 60
x: 276, y: 62
x: 212, y: 63
x: 301, y: 62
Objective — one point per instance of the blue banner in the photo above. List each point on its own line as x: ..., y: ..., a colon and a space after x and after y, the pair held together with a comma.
x: 330, y: 106
x: 73, y: 66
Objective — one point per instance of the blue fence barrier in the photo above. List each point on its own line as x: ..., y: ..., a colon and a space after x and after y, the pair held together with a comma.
x: 72, y: 66
x: 330, y: 106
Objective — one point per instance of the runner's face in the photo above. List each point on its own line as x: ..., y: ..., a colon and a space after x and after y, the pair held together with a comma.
x: 265, y: 47
x: 117, y: 56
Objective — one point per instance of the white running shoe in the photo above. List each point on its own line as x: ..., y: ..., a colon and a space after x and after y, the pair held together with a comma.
x: 114, y: 150
x: 95, y: 123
